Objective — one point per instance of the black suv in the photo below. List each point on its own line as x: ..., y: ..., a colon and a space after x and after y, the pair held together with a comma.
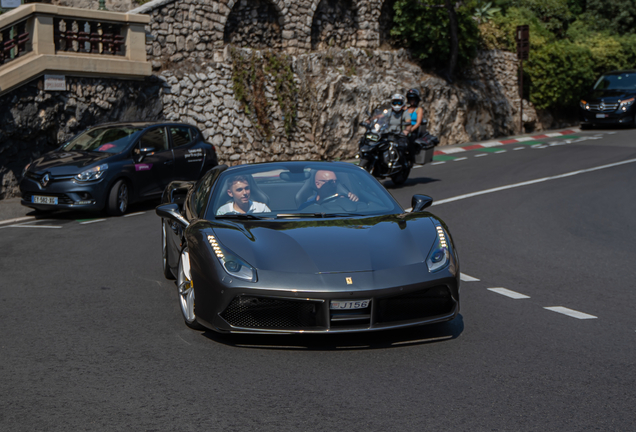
x: 110, y: 166
x: 611, y: 101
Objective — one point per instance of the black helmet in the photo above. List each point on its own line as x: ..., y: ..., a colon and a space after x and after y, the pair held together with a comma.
x: 413, y: 94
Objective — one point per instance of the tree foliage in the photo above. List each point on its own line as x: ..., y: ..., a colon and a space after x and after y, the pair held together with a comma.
x: 423, y: 27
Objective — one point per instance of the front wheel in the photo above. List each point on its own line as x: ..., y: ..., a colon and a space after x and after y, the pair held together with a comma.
x: 186, y: 292
x: 118, y: 198
x: 402, y: 176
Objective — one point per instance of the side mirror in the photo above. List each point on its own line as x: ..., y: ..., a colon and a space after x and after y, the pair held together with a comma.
x: 420, y: 202
x: 142, y: 152
x: 365, y: 124
x: 171, y: 211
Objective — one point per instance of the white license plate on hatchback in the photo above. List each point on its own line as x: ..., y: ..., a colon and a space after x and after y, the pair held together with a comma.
x: 44, y: 200
x: 349, y: 304
x: 601, y: 115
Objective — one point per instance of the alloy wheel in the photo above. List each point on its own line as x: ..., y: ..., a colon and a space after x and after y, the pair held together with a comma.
x: 122, y: 197
x: 186, y: 290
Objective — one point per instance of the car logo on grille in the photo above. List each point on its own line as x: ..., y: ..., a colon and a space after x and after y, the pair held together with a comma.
x: 601, y: 106
x: 349, y: 281
x: 45, y: 180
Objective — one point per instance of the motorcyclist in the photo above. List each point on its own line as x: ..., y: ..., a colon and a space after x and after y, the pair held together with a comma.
x: 415, y: 113
x: 399, y: 119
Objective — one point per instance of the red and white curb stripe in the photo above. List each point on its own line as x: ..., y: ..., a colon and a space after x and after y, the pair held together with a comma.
x: 488, y: 144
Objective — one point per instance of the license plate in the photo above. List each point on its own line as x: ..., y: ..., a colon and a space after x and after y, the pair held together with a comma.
x: 350, y: 304
x: 601, y: 115
x: 44, y: 200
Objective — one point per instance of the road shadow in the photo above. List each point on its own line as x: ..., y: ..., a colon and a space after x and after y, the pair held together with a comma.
x: 63, y: 215
x: 388, y: 184
x: 421, y: 335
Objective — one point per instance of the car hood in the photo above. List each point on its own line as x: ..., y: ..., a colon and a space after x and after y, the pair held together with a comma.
x: 66, y: 162
x: 332, y: 245
x: 608, y: 95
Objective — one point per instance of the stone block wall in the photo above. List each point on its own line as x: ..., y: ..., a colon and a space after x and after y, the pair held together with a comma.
x: 201, y: 28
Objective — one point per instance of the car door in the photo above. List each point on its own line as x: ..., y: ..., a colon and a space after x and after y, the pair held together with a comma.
x: 188, y: 156
x: 154, y: 170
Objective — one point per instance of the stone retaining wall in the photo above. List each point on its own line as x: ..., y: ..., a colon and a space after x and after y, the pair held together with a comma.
x: 335, y: 88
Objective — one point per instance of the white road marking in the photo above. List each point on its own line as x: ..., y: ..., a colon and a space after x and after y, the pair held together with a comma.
x: 570, y: 312
x: 92, y: 221
x: 539, y: 146
x: 508, y: 293
x: 501, y: 151
x: 31, y: 226
x: 518, y: 148
x: 481, y: 154
x: 460, y: 159
x: 414, y: 166
x: 438, y: 163
x: 140, y: 213
x: 452, y: 150
x: 20, y: 219
x: 467, y: 278
x: 527, y: 183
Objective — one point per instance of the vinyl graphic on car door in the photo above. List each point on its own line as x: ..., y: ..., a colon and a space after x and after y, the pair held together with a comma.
x: 155, y: 170
x: 188, y: 158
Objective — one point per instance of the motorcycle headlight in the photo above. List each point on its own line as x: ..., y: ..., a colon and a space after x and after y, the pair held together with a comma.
x: 94, y: 173
x: 232, y: 264
x: 626, y: 104
x: 439, y: 256
x: 372, y: 137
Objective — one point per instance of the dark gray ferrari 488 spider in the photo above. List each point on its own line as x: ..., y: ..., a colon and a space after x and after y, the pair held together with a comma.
x: 304, y: 247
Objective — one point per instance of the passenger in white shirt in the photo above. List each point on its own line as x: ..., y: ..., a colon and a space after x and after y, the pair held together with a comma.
x: 239, y: 191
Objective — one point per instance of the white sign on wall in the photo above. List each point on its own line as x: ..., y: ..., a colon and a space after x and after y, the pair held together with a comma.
x: 55, y: 82
x: 10, y: 4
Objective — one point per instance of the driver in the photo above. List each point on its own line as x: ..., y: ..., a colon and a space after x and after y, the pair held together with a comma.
x: 239, y: 191
x: 326, y: 187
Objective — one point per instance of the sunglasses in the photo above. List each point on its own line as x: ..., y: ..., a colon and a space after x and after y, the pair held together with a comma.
x: 398, y: 103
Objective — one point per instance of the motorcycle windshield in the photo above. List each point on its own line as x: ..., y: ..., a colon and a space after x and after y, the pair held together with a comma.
x: 379, y: 119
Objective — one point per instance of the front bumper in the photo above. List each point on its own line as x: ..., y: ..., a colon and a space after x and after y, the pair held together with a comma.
x: 70, y: 194
x: 257, y: 310
x: 590, y: 117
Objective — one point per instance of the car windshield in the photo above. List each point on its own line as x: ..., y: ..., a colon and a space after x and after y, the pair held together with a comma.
x: 296, y: 190
x: 105, y: 139
x: 623, y: 81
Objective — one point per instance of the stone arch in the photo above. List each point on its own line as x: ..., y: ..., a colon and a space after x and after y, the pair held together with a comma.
x: 254, y: 24
x: 385, y: 21
x: 335, y: 23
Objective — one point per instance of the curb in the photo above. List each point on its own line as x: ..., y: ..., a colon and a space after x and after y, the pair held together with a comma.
x: 487, y: 144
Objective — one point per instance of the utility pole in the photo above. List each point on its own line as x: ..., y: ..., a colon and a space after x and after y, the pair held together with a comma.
x: 523, y: 48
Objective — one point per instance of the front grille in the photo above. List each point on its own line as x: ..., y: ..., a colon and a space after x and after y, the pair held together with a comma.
x: 416, y: 305
x: 61, y: 198
x: 606, y: 108
x: 271, y: 313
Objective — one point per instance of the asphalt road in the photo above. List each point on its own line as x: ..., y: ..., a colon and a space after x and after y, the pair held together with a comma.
x: 92, y: 337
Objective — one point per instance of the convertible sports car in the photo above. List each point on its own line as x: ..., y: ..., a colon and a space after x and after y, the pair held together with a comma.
x: 304, y: 247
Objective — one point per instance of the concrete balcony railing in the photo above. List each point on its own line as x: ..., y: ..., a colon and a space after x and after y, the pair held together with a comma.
x: 40, y: 38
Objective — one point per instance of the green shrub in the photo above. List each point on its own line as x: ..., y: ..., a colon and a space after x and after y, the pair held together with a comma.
x: 560, y: 72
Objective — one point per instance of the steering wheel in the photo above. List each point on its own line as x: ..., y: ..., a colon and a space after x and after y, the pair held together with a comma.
x: 331, y: 198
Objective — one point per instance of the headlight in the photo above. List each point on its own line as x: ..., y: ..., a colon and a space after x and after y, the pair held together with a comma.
x: 439, y: 256
x: 584, y: 105
x: 94, y: 173
x: 26, y: 168
x: 372, y: 137
x: 626, y: 104
x: 232, y: 264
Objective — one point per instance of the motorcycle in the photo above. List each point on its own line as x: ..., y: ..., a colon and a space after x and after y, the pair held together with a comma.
x: 387, y: 154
